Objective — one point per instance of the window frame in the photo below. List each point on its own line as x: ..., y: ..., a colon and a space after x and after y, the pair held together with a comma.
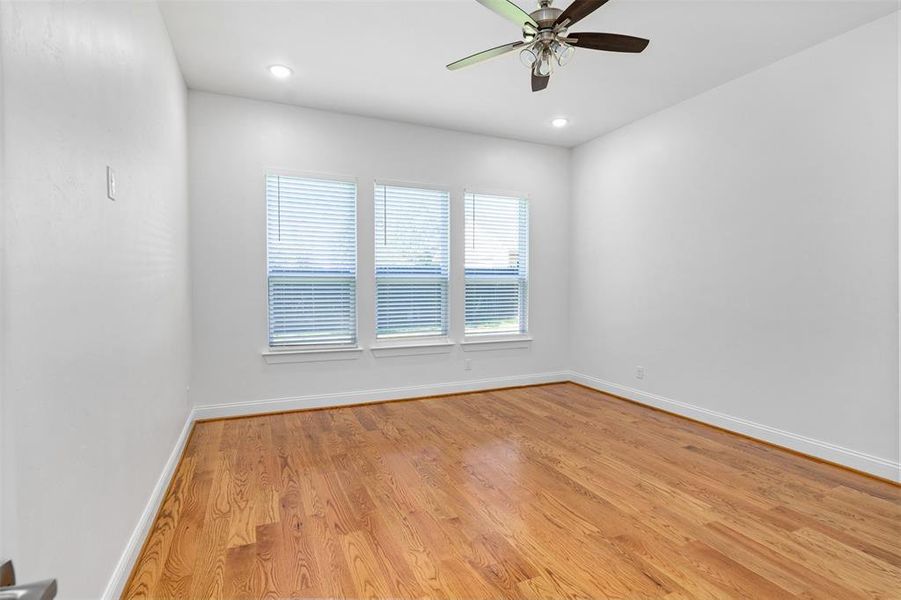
x: 499, y: 340
x: 315, y: 351
x: 428, y: 343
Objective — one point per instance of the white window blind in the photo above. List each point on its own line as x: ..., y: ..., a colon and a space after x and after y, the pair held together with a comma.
x: 497, y: 264
x: 411, y: 261
x: 312, y: 261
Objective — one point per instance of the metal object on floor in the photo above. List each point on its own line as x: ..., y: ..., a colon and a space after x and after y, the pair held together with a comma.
x: 41, y: 590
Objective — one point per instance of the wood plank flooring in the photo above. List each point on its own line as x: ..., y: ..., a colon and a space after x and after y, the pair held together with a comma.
x: 552, y: 491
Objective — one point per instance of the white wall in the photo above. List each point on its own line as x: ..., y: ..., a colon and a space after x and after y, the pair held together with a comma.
x: 5, y: 463
x: 233, y: 141
x: 96, y: 314
x: 743, y: 247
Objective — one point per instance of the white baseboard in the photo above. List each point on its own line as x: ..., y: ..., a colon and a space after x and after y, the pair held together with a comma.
x: 120, y: 575
x: 844, y: 456
x: 218, y: 411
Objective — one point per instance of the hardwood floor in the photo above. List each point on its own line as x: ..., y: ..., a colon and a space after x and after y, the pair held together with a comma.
x: 554, y: 491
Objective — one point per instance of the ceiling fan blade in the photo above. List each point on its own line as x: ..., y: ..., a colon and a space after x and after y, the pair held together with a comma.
x: 612, y: 42
x: 539, y: 83
x: 578, y: 10
x: 484, y: 55
x: 509, y: 11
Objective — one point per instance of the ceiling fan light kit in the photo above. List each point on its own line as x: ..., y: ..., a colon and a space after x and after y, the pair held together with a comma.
x: 546, y: 38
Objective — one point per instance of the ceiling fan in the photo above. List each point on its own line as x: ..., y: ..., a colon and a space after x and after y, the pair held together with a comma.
x: 547, y: 40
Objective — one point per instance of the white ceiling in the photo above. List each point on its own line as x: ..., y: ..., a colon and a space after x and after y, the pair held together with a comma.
x: 386, y: 59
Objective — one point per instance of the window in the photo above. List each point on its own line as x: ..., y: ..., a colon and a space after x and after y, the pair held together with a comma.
x: 497, y: 264
x: 411, y: 261
x: 311, y: 232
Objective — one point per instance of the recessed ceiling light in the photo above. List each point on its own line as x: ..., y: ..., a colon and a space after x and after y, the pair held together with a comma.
x: 560, y: 122
x: 280, y: 71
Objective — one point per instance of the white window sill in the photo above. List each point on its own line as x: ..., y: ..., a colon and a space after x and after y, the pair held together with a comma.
x: 481, y: 344
x: 300, y: 355
x: 412, y: 348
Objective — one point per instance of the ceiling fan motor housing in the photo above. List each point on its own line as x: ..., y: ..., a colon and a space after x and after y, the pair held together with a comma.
x: 546, y: 15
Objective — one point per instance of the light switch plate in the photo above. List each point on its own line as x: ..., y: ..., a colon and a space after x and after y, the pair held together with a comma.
x: 110, y: 183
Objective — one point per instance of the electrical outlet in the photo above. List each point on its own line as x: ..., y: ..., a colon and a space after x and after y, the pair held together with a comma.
x: 110, y: 183
x: 639, y: 372
x: 467, y: 364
